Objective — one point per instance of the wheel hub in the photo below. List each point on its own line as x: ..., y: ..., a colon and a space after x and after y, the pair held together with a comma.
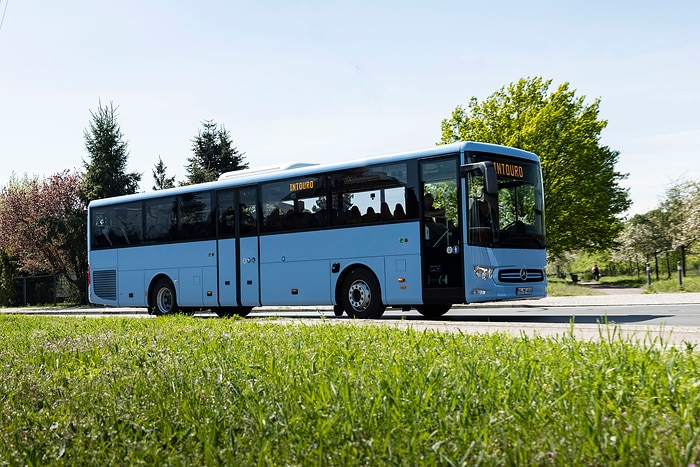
x: 359, y: 295
x: 164, y: 301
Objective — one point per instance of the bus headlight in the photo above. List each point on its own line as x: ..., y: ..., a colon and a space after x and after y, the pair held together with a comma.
x: 483, y: 273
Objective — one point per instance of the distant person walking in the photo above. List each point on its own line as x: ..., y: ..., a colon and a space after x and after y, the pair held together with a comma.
x: 596, y: 272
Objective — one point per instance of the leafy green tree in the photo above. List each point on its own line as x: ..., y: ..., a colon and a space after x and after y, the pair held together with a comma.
x: 682, y: 208
x: 213, y: 155
x: 583, y: 197
x: 160, y: 177
x: 105, y: 173
x: 651, y: 235
x: 627, y: 250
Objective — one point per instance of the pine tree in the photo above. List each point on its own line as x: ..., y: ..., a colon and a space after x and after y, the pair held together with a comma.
x: 105, y: 173
x: 213, y: 155
x: 160, y: 178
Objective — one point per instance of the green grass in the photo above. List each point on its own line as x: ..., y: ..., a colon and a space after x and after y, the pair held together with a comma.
x: 623, y: 281
x: 563, y: 288
x: 690, y: 284
x: 183, y: 391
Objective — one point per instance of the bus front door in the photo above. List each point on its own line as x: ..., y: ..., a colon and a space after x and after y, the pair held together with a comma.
x: 441, y: 239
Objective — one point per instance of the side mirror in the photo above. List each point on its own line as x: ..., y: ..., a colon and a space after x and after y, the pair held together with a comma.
x: 489, y: 172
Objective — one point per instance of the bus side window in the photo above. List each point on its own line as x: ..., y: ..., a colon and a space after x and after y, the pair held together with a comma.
x: 227, y: 214
x: 118, y: 233
x: 273, y: 221
x: 195, y: 216
x: 101, y: 227
x: 248, y: 211
x: 372, y: 190
x: 227, y: 223
x: 161, y: 216
x: 385, y: 213
x: 247, y: 221
x: 294, y: 205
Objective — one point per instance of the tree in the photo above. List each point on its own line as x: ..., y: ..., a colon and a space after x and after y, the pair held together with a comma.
x: 8, y: 276
x: 582, y: 192
x: 160, y: 178
x: 43, y: 223
x: 682, y: 208
x: 649, y: 236
x: 105, y: 174
x: 213, y: 155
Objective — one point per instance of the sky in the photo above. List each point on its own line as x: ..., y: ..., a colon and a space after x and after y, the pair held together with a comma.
x: 327, y: 81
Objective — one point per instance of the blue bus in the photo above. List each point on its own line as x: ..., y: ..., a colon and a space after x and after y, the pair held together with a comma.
x: 454, y: 224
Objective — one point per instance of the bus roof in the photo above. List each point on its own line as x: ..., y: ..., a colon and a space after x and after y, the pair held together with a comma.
x: 264, y: 174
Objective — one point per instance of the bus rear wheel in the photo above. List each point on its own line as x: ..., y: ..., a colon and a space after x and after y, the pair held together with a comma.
x: 228, y: 311
x: 361, y: 296
x: 162, y: 300
x: 434, y: 310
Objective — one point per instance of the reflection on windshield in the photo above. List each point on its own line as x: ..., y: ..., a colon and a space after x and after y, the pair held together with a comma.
x: 512, y: 218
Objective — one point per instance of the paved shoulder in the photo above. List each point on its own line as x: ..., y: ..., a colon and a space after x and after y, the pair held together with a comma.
x: 623, y: 299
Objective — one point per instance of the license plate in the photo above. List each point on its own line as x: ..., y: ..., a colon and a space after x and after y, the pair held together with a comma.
x: 523, y: 291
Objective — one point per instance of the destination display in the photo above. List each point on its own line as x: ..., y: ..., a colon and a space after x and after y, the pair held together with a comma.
x: 509, y: 170
x: 303, y: 185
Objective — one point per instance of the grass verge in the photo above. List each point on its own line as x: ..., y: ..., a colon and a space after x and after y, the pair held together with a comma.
x: 690, y: 284
x: 562, y: 288
x: 106, y: 391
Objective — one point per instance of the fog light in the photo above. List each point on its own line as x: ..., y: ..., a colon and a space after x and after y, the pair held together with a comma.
x: 483, y: 273
x: 478, y: 292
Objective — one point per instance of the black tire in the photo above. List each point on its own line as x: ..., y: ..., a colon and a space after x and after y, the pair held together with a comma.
x: 228, y: 311
x: 361, y: 296
x: 434, y: 310
x: 163, y: 300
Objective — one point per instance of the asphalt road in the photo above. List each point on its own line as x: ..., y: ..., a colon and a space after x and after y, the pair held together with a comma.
x: 676, y: 323
x: 672, y: 319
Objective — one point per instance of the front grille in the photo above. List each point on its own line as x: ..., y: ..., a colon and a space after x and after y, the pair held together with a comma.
x: 516, y: 275
x: 104, y: 283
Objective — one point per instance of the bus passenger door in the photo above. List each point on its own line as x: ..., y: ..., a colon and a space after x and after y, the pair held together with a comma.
x: 248, y: 258
x: 226, y: 248
x: 237, y: 254
x: 441, y: 229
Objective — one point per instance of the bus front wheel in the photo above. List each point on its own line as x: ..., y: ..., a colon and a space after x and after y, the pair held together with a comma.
x: 162, y: 300
x: 361, y: 296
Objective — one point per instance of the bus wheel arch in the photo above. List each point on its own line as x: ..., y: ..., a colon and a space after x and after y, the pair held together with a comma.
x: 358, y: 292
x: 162, y: 297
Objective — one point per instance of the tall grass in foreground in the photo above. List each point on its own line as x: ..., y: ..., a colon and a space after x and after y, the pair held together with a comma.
x: 114, y: 391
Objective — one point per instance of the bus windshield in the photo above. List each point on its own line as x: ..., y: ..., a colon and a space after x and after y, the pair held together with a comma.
x: 514, y: 216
